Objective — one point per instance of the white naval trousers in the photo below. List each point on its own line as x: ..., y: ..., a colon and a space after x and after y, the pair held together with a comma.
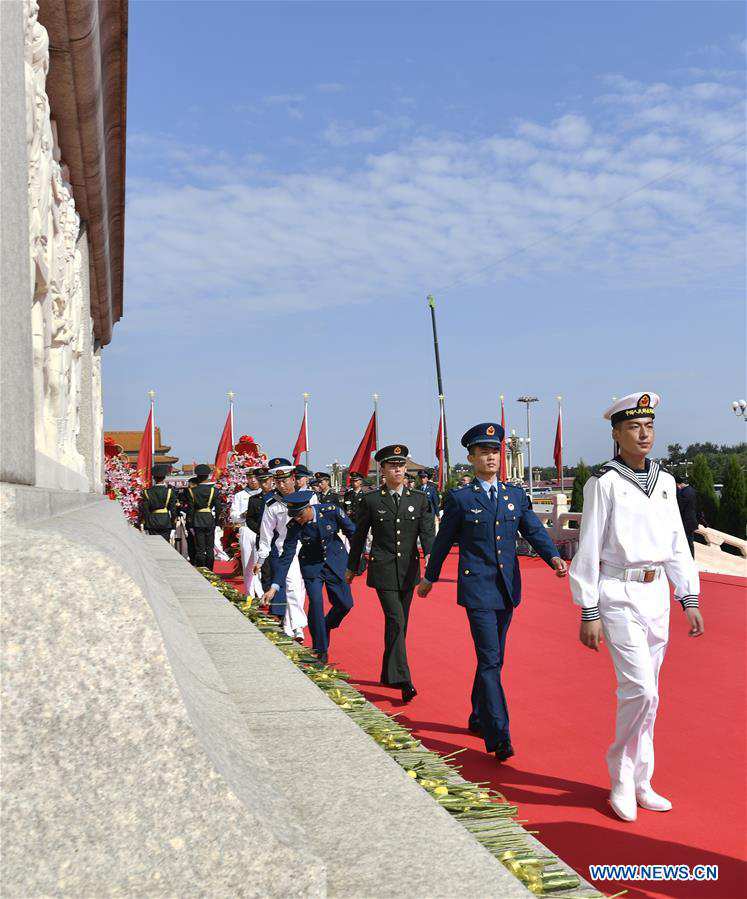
x: 295, y: 594
x: 248, y: 549
x: 635, y: 620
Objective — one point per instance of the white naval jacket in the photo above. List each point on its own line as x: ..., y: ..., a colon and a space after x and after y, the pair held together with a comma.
x: 239, y: 505
x: 274, y: 520
x: 629, y: 525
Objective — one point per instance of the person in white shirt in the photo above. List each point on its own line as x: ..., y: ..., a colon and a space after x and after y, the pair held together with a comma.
x: 272, y: 531
x: 247, y: 538
x: 631, y: 541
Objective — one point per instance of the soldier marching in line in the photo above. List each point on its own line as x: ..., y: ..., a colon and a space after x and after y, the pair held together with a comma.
x: 631, y: 541
x: 204, y: 508
x: 398, y: 517
x: 484, y: 520
x: 158, y: 504
x: 312, y: 539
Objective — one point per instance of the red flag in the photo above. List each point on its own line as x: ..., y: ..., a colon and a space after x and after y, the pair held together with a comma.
x: 503, y: 470
x: 145, y: 453
x: 557, y: 452
x: 302, y: 442
x: 224, y: 447
x: 361, y: 461
x: 440, y: 445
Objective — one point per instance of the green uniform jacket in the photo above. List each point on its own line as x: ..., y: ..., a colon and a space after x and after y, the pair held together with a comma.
x: 158, y: 507
x: 394, y: 561
x: 205, y: 505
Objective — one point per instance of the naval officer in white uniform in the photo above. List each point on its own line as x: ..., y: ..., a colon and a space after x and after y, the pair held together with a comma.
x: 247, y: 537
x: 631, y: 543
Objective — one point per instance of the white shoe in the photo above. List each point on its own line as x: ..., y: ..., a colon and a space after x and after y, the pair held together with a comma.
x: 623, y: 802
x: 298, y: 633
x: 650, y: 800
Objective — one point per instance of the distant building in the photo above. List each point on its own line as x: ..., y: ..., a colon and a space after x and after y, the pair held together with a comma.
x: 130, y: 443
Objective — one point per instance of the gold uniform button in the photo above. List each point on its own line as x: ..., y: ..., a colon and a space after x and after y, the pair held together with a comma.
x: 498, y: 537
x: 398, y: 542
x: 466, y: 570
x: 399, y: 554
x: 501, y: 564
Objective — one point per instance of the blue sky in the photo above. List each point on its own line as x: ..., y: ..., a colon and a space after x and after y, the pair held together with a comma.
x: 302, y: 175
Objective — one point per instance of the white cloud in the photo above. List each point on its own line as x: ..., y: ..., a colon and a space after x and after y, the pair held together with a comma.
x: 205, y: 230
x: 339, y: 134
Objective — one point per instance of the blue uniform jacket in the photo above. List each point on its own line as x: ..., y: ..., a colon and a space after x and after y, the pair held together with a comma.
x: 432, y: 493
x: 320, y: 544
x: 488, y: 563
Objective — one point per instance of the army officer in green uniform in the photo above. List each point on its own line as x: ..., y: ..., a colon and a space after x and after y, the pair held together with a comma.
x: 398, y: 517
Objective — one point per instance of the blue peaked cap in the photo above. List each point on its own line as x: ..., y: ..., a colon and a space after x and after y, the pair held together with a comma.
x: 488, y: 432
x: 298, y: 501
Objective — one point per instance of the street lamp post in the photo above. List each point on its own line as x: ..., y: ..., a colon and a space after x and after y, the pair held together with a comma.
x: 528, y: 400
x: 739, y: 408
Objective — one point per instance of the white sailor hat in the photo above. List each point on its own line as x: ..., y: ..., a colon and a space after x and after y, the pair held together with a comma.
x: 635, y: 405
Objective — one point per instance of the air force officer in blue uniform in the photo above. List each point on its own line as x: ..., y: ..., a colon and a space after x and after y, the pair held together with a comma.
x: 323, y: 560
x: 482, y: 518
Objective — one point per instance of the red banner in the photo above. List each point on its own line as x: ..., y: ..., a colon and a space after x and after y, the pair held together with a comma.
x: 302, y: 442
x: 361, y: 461
x: 503, y: 470
x: 224, y: 447
x: 145, y: 454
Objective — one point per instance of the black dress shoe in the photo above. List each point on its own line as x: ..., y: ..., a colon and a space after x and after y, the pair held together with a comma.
x: 474, y: 728
x: 504, y: 751
x: 408, y: 692
x: 322, y: 656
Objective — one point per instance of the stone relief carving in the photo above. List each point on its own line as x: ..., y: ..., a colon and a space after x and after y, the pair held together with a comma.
x: 57, y: 305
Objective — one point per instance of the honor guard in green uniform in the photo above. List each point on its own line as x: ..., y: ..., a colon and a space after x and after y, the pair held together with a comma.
x: 205, y: 505
x: 158, y: 504
x: 326, y: 495
x: 353, y: 495
x: 184, y: 506
x: 397, y: 517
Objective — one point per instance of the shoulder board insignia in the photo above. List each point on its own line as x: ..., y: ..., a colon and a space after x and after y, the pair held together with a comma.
x: 330, y: 507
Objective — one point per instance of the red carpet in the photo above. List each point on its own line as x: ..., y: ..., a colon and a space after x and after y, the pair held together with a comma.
x: 561, y: 698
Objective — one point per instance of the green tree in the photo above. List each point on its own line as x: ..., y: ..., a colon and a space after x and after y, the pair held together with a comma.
x: 577, y: 495
x: 701, y: 480
x: 733, y: 506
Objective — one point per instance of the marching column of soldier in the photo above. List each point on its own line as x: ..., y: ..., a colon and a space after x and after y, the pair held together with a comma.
x: 298, y: 539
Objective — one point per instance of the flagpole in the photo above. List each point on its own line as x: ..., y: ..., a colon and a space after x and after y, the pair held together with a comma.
x: 306, y: 424
x: 152, y: 395
x: 560, y: 419
x: 376, y: 422
x: 439, y: 379
x: 230, y: 396
x: 443, y: 476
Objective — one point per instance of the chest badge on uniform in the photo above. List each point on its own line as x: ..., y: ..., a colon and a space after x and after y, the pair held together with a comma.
x: 475, y: 511
x: 511, y: 506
